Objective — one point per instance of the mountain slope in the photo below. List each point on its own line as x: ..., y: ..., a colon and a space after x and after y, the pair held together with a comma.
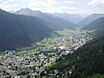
x: 84, y: 62
x: 74, y: 18
x: 97, y: 25
x: 88, y: 59
x: 17, y: 31
x: 90, y: 19
x: 55, y: 21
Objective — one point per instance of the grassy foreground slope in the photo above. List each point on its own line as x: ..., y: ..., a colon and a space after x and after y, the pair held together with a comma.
x: 97, y: 76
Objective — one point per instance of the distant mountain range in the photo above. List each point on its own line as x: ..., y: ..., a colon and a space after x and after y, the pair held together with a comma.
x: 97, y: 26
x: 55, y: 21
x: 70, y: 17
x: 89, y: 19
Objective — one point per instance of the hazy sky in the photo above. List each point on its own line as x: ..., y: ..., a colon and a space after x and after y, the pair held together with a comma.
x: 52, y: 6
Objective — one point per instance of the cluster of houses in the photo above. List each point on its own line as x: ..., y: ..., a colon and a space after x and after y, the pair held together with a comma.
x: 34, y: 65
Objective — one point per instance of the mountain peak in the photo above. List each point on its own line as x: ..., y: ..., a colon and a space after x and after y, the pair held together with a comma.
x: 24, y: 10
x: 27, y: 11
x: 97, y: 14
x: 1, y: 10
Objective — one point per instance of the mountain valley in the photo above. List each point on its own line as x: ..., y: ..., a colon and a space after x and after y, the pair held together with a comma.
x: 35, y: 44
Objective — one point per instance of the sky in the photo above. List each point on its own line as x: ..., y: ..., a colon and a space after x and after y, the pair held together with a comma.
x: 55, y: 6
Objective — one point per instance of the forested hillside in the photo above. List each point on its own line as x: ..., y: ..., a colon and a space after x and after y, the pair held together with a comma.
x: 86, y: 60
x: 17, y: 31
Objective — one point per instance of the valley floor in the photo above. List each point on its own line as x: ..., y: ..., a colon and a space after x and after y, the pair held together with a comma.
x: 38, y: 60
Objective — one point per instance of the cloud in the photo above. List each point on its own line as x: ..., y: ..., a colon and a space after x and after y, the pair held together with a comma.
x: 53, y: 6
x: 50, y: 5
x: 7, y: 6
x: 41, y: 5
x: 94, y: 2
x: 12, y: 5
x: 97, y: 5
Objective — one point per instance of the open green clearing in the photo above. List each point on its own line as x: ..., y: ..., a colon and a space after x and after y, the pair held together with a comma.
x: 97, y: 76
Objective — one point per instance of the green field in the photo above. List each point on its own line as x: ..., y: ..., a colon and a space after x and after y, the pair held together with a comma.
x: 97, y: 76
x: 69, y: 31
